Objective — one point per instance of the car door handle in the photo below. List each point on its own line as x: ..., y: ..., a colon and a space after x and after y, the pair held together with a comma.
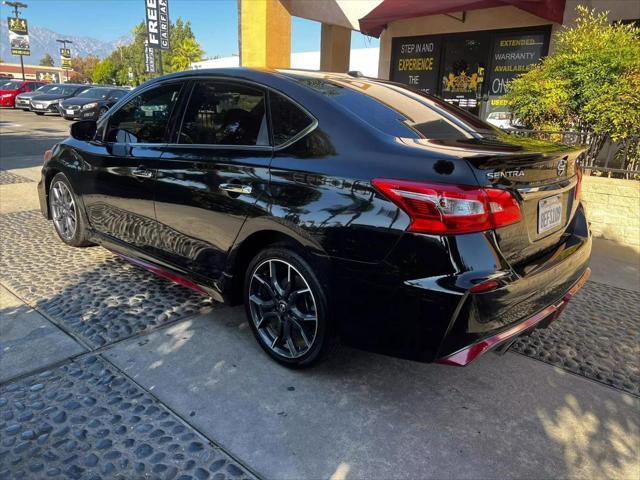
x: 142, y: 173
x: 235, y: 188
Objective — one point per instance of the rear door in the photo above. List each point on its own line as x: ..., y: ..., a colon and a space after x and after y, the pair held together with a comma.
x: 209, y: 180
x: 119, y: 181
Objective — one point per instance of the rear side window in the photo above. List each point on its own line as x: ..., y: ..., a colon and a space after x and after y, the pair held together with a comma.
x: 287, y: 120
x: 145, y: 117
x: 221, y: 113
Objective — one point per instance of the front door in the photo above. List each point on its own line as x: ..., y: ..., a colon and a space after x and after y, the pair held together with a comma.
x: 209, y: 181
x: 118, y: 191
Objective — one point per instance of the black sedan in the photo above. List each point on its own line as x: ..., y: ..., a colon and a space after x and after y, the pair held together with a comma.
x: 91, y: 103
x: 333, y: 207
x: 48, y: 102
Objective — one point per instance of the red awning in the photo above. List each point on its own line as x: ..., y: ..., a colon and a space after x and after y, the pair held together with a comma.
x: 391, y: 10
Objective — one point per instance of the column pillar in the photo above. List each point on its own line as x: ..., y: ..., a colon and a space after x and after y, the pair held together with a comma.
x: 335, y: 48
x: 264, y: 34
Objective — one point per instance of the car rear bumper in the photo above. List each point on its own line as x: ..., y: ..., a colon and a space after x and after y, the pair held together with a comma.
x: 543, y: 318
x: 450, y: 299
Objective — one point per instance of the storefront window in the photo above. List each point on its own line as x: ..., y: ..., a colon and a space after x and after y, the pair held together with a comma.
x: 471, y: 70
x: 465, y: 62
x: 512, y: 54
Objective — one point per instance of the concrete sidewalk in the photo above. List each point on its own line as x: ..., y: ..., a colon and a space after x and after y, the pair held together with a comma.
x: 368, y: 416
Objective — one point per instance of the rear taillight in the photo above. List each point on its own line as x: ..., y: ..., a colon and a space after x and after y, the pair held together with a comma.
x: 451, y: 209
x: 578, y: 189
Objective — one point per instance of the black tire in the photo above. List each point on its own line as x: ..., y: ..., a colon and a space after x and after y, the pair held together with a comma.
x: 39, y: 113
x: 79, y: 238
x: 323, y: 338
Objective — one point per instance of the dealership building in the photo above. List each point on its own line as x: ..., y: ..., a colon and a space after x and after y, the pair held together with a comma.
x: 34, y: 72
x: 464, y: 51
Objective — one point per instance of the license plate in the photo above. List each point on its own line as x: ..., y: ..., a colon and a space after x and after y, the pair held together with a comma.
x: 549, y: 213
x: 37, y: 105
x: 69, y: 112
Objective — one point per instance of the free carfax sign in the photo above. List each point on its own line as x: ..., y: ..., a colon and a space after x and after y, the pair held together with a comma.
x: 158, y: 23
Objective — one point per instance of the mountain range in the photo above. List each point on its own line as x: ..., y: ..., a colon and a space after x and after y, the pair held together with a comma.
x: 43, y: 41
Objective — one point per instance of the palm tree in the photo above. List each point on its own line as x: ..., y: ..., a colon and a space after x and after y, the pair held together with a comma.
x: 187, y: 52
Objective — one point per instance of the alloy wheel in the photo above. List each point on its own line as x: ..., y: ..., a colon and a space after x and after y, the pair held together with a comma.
x: 283, y: 308
x: 63, y: 210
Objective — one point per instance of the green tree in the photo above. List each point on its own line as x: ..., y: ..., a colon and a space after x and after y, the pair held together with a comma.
x: 84, y: 67
x: 129, y: 59
x: 46, y: 61
x: 589, y: 83
x: 104, y: 72
x: 185, y: 53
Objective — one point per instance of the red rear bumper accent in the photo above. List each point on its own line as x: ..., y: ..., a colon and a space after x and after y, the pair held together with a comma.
x: 469, y: 354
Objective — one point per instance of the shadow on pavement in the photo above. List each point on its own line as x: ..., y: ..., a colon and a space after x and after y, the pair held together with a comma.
x: 368, y: 416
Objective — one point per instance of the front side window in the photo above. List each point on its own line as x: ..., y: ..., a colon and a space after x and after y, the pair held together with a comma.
x: 144, y: 118
x: 222, y: 113
x: 287, y: 120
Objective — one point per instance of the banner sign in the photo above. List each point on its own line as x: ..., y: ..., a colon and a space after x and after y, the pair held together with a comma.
x: 149, y: 58
x: 416, y: 61
x: 18, y: 36
x: 158, y: 23
x: 48, y: 76
x: 65, y: 58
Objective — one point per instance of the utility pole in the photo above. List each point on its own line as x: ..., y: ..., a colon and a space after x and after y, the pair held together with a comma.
x: 16, y: 6
x: 64, y: 45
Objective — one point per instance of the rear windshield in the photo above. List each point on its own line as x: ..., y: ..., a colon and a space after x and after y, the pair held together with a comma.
x: 398, y: 110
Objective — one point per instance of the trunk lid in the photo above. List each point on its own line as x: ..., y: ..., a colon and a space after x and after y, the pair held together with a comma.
x: 541, y: 175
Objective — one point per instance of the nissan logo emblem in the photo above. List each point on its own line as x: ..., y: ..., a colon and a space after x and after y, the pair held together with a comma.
x: 562, y: 167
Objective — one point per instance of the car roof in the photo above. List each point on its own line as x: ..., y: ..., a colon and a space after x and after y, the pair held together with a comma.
x: 244, y: 72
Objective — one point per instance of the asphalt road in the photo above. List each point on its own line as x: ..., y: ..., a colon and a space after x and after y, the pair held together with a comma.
x: 108, y: 371
x: 26, y: 136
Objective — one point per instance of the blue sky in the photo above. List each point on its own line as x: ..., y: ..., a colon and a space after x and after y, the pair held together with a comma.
x: 214, y: 22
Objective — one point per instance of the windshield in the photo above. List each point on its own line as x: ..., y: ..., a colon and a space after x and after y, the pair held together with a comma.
x: 62, y: 90
x: 118, y: 94
x: 10, y: 85
x: 396, y: 109
x: 392, y: 110
x: 100, y: 93
x: 44, y: 88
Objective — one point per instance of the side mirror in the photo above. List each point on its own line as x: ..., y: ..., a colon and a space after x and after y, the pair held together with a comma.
x: 84, y: 130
